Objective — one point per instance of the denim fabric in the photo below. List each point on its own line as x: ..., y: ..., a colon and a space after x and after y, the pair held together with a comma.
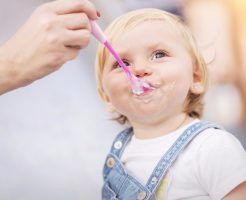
x: 119, y: 185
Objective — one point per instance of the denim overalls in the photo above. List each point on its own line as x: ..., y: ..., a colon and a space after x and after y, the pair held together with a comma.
x: 119, y: 185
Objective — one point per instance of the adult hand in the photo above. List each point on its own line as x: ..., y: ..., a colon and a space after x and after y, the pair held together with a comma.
x: 53, y: 34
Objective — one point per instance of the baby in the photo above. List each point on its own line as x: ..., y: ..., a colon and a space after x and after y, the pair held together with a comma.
x: 168, y: 152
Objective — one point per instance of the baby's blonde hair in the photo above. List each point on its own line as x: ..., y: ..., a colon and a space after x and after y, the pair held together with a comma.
x: 194, y: 106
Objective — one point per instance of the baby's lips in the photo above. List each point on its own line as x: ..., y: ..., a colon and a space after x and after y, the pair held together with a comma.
x: 146, y: 85
x: 156, y: 84
x: 147, y: 88
x: 151, y: 84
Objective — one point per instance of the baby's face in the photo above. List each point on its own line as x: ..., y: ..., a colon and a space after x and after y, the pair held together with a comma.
x: 155, y: 53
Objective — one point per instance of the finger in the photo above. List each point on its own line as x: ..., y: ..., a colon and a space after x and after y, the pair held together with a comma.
x: 75, y: 21
x: 75, y: 6
x: 79, y: 38
x: 71, y: 53
x: 66, y: 54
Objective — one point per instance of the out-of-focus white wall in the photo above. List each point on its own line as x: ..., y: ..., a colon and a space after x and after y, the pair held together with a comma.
x: 54, y: 133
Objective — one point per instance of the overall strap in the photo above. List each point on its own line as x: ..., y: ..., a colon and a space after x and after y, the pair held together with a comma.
x: 171, y: 155
x: 120, y: 142
x: 117, y: 149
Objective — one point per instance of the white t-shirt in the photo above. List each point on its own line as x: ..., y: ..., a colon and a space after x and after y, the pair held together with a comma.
x: 211, y: 166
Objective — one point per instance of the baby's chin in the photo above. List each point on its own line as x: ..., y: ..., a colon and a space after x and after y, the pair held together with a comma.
x: 146, y: 117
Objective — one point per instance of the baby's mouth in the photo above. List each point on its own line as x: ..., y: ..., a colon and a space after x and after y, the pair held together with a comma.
x: 146, y: 92
x: 148, y: 95
x: 142, y: 88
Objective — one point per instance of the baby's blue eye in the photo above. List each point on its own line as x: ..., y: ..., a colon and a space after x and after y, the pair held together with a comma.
x: 116, y: 64
x: 126, y: 63
x: 159, y: 54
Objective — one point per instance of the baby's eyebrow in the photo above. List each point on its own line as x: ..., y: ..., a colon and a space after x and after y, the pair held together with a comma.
x: 123, y: 54
x: 156, y: 45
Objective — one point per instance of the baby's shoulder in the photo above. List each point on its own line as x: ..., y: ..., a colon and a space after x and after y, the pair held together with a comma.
x: 216, y: 140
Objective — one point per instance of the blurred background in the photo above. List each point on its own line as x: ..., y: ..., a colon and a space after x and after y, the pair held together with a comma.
x: 55, y: 133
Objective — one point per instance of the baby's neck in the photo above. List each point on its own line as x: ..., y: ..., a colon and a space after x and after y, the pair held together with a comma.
x: 164, y: 127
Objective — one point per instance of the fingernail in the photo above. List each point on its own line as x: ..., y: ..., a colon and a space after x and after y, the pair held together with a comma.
x: 98, y: 14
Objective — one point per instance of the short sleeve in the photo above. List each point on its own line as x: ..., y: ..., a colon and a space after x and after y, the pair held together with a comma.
x: 221, y: 163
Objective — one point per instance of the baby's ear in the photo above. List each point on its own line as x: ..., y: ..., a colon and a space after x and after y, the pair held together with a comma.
x: 102, y: 95
x: 109, y: 106
x: 197, y: 86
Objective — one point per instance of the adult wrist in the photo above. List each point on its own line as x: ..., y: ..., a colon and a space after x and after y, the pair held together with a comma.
x: 9, y: 76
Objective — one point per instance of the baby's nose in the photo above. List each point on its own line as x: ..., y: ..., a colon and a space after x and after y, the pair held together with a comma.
x: 141, y: 71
